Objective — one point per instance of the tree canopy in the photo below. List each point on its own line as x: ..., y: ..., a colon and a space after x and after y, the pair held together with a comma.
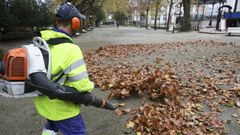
x: 35, y: 14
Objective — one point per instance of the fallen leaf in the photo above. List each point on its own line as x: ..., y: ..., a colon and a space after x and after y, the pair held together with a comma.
x: 119, y: 112
x: 128, y: 110
x: 121, y: 104
x: 166, y: 76
x: 110, y: 85
x: 238, y: 121
x: 139, y: 133
x: 129, y: 124
x: 235, y: 115
x: 238, y: 103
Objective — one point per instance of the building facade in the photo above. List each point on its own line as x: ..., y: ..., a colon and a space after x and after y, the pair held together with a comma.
x: 198, y: 12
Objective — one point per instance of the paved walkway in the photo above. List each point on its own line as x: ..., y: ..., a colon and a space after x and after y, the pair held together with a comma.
x: 108, y: 35
x: 20, y: 117
x: 130, y: 35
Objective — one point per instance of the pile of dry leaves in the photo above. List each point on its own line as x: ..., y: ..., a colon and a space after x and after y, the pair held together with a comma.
x: 121, y: 70
x: 124, y: 81
x: 172, y: 119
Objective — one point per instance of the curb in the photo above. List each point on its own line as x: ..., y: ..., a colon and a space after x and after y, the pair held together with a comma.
x: 206, y: 32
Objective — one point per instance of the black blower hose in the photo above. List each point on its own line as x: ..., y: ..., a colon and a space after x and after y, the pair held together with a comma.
x: 40, y: 82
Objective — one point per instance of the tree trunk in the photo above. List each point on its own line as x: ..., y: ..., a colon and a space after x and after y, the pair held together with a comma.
x: 147, y: 19
x: 210, y: 22
x: 148, y: 8
x: 156, y: 14
x: 235, y: 7
x: 218, y: 19
x: 169, y: 14
x: 187, y: 16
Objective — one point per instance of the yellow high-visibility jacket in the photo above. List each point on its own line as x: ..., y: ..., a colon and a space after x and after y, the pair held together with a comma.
x: 66, y: 59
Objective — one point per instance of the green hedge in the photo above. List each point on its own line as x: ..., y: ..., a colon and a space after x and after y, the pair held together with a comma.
x: 21, y: 15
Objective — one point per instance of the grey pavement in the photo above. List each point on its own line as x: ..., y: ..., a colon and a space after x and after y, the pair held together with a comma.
x: 19, y: 117
x: 110, y: 35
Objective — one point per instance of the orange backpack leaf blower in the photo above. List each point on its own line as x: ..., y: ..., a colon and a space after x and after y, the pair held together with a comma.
x: 25, y: 72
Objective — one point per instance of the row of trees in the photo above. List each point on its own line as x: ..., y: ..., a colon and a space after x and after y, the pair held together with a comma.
x: 123, y: 9
x: 18, y: 15
x: 145, y: 6
x: 96, y: 10
x: 23, y: 15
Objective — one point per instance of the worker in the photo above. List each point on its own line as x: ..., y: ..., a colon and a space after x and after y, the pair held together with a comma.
x: 68, y: 68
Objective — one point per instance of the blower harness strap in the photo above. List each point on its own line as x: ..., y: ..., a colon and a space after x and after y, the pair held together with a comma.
x: 55, y: 41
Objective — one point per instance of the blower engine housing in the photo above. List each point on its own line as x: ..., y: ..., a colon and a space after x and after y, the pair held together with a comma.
x: 18, y: 64
x: 15, y: 64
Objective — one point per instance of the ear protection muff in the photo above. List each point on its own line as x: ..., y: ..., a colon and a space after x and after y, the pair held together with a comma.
x: 75, y: 23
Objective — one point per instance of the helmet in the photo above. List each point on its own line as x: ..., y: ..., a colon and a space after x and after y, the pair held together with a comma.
x: 67, y: 11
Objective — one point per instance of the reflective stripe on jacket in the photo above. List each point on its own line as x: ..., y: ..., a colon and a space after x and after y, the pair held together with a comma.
x: 68, y: 65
